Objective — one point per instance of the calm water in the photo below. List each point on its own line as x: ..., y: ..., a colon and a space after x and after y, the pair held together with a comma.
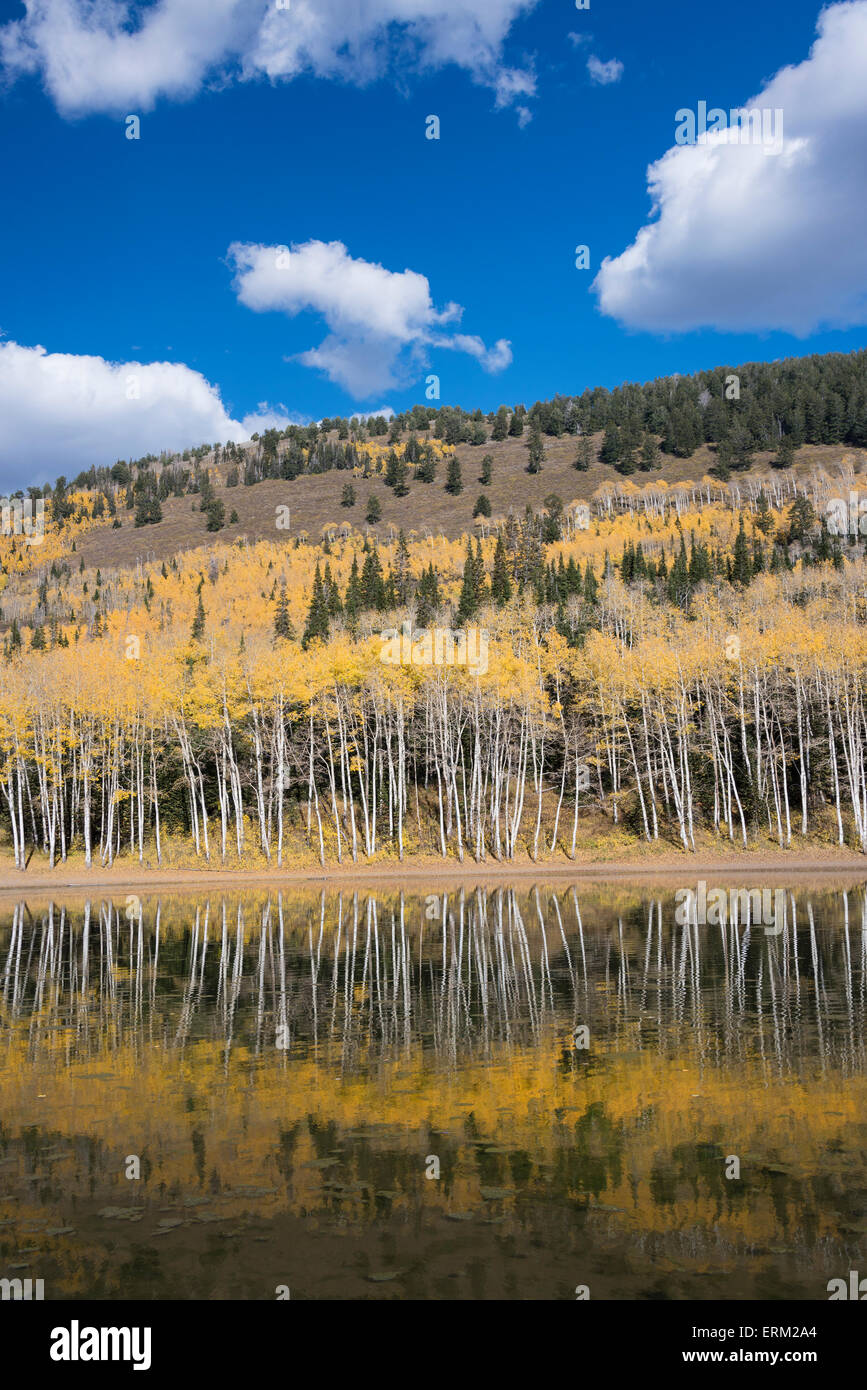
x: 284, y: 1072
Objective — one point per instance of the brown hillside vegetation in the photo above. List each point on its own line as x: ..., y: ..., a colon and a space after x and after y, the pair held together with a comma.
x: 687, y: 670
x: 314, y: 500
x: 665, y: 652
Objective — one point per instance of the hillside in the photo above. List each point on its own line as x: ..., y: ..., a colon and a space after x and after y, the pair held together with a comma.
x: 797, y: 416
x: 315, y: 500
x: 623, y: 660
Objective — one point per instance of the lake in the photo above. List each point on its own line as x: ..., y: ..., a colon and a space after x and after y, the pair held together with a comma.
x: 510, y: 1092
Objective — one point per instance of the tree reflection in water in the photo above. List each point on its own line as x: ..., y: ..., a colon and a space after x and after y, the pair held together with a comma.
x: 285, y: 1064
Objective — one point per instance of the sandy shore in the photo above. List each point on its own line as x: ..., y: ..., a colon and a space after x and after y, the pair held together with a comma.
x: 672, y: 866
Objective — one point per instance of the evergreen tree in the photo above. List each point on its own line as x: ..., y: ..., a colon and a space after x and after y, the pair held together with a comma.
x: 785, y: 453
x: 678, y: 578
x: 584, y: 458
x: 535, y: 448
x: 699, y: 563
x: 401, y: 486
x: 216, y: 515
x: 454, y: 480
x: 354, y: 600
x: 481, y: 582
x: 501, y: 424
x: 332, y: 593
x: 627, y: 563
x: 402, y: 571
x: 721, y: 469
x: 372, y: 582
x: 758, y: 556
x: 205, y: 490
x: 347, y: 498
x: 742, y: 568
x: 610, y: 450
x: 683, y: 428
x: 197, y: 631
x: 395, y: 474
x: 649, y: 455
x: 501, y: 584
x: 427, y: 599
x: 802, y: 518
x: 468, y: 602
x: 317, y: 624
x: 764, y: 519
x: 148, y: 510
x: 552, y: 521
x: 426, y: 469
x: 740, y: 442
x: 282, y: 622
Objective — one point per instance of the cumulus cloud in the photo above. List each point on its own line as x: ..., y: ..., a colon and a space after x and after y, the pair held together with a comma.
x: 743, y: 239
x: 512, y: 83
x: 384, y: 410
x: 269, y: 417
x: 60, y: 413
x: 363, y: 366
x: 117, y: 56
x: 604, y: 73
x: 381, y: 322
x: 494, y: 359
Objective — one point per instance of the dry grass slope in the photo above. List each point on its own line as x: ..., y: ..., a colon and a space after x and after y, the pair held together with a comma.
x: 314, y: 500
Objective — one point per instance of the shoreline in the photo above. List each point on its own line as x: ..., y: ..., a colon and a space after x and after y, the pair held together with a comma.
x: 671, y: 866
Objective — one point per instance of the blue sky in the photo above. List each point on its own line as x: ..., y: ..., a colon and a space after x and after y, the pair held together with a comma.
x: 117, y: 251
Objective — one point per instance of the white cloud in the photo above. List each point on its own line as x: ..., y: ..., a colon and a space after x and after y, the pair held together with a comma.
x: 99, y: 57
x: 60, y: 413
x: 270, y: 417
x: 751, y: 241
x: 114, y: 56
x: 381, y: 322
x: 511, y: 83
x: 363, y: 366
x: 351, y: 295
x: 604, y: 73
x: 494, y: 359
x: 384, y: 410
